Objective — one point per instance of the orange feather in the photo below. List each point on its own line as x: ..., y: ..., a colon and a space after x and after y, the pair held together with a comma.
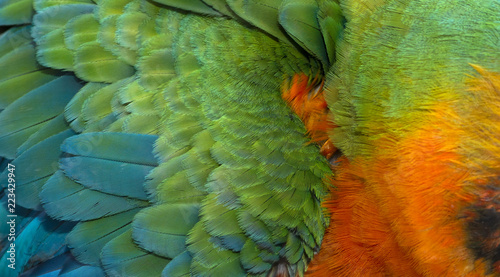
x: 411, y: 207
x: 306, y: 98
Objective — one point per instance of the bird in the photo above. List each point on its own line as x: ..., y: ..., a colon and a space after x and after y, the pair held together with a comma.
x: 249, y: 138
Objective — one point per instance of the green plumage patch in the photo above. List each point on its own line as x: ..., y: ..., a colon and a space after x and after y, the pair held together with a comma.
x: 14, y: 12
x: 174, y: 141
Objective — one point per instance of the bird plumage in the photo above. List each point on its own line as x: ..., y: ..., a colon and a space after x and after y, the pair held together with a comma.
x: 199, y: 137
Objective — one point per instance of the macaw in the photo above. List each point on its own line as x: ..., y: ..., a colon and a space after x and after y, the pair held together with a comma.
x: 249, y: 138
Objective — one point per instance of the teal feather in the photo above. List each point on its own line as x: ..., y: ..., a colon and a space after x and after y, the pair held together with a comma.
x: 233, y: 242
x: 55, y: 126
x: 13, y: 88
x: 13, y: 38
x: 60, y: 194
x: 127, y: 148
x: 50, y: 268
x: 72, y: 268
x: 63, y: 265
x: 113, y: 177
x: 25, y: 116
x: 30, y: 176
x: 24, y: 217
x: 178, y: 266
x: 88, y: 238
x: 40, y: 238
x: 254, y: 228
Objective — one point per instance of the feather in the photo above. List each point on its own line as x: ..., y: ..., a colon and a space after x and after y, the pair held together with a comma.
x: 60, y: 193
x: 88, y: 238
x: 26, y: 116
x: 122, y: 255
x: 31, y: 176
x: 16, y: 12
x: 190, y: 5
x: 162, y: 237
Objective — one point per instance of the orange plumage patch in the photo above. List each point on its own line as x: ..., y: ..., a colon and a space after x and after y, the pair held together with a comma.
x: 359, y: 241
x: 424, y: 203
x: 305, y: 97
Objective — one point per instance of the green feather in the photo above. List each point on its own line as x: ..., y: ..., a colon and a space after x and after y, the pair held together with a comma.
x: 209, y: 259
x: 220, y: 6
x: 80, y: 30
x: 107, y: 38
x: 230, y: 173
x: 260, y: 13
x: 20, y: 72
x: 94, y: 64
x: 98, y: 106
x: 157, y: 68
x: 251, y: 261
x: 121, y: 257
x: 19, y: 61
x: 166, y: 237
x: 217, y: 219
x: 191, y: 5
x: 73, y: 111
x: 330, y: 20
x: 167, y: 186
x: 52, y: 51
x: 13, y: 12
x: 43, y: 4
x: 143, y: 124
x: 127, y: 28
x: 293, y: 248
x: 111, y: 7
x: 299, y: 19
x: 56, y: 17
